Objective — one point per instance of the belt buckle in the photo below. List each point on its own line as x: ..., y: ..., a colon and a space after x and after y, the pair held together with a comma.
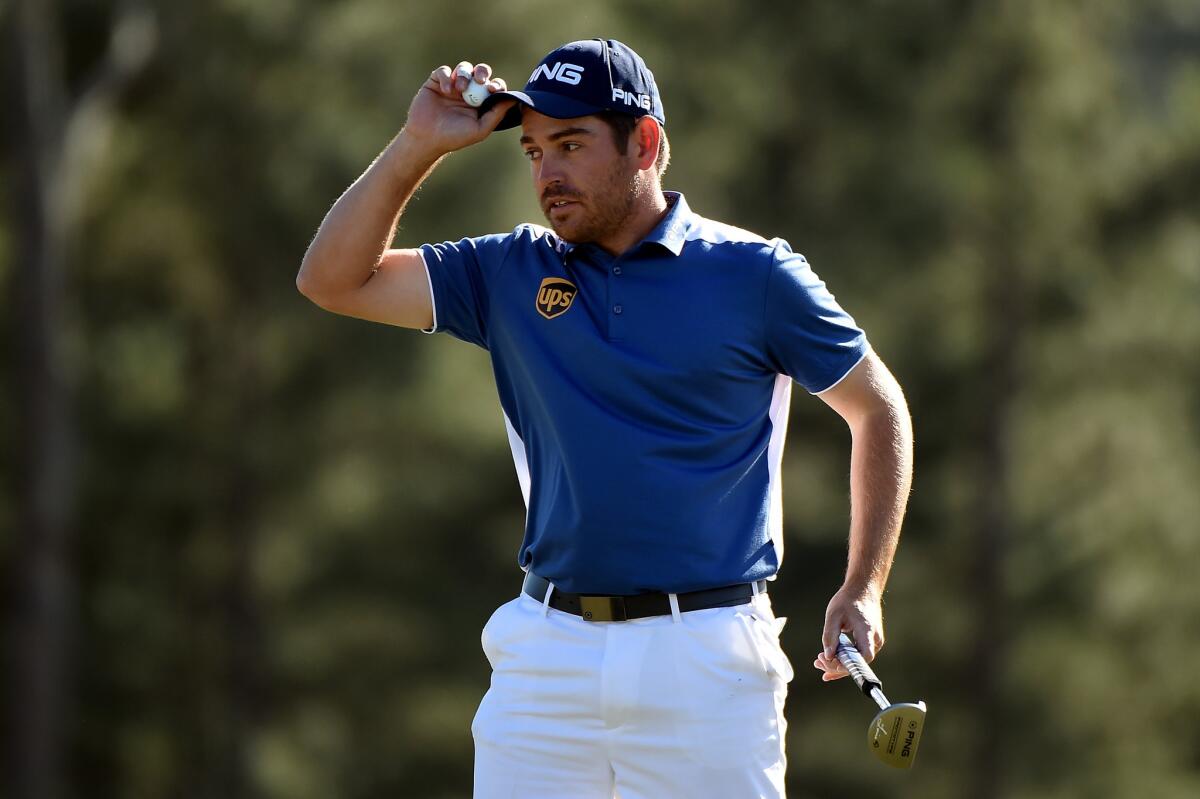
x: 602, y: 608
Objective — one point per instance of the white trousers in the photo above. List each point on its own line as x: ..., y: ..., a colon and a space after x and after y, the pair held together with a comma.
x: 670, y: 707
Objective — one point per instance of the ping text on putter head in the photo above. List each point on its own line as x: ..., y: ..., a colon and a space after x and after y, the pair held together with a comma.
x: 895, y: 732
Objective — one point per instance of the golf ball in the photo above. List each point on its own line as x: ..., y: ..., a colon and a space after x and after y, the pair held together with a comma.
x: 475, y: 94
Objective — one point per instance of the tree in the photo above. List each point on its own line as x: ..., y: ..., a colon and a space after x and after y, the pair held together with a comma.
x: 57, y: 142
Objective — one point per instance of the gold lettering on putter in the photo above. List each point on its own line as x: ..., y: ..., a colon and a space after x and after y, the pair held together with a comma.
x: 555, y: 296
x: 908, y: 739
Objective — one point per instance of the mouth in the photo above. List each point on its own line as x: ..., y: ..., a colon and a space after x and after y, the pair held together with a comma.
x: 559, y: 205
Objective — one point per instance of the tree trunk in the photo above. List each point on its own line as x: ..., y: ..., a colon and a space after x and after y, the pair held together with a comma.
x: 1005, y: 322
x: 42, y: 578
x: 54, y: 142
x: 242, y: 619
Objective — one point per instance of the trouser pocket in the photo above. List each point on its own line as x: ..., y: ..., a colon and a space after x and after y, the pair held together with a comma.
x: 504, y: 627
x: 726, y: 691
x: 765, y: 630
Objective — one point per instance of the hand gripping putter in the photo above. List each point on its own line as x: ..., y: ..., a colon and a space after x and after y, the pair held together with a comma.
x: 895, y: 732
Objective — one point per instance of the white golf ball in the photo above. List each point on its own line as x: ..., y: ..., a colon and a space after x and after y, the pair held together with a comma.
x: 475, y: 94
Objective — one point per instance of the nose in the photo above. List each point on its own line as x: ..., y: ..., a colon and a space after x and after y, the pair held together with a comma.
x: 548, y: 172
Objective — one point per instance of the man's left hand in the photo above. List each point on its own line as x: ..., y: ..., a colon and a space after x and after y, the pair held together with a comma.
x: 859, y: 612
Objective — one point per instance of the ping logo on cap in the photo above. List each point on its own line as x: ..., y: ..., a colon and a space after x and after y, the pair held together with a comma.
x: 629, y: 98
x: 561, y: 71
x: 555, y: 296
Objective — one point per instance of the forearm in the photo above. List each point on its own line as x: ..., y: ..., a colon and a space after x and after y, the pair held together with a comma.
x: 359, y: 227
x: 872, y: 403
x: 880, y: 478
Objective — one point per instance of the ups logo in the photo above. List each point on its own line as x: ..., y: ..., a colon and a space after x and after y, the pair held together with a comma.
x: 555, y: 296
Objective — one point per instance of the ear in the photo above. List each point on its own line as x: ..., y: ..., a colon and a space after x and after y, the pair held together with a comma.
x: 646, y: 138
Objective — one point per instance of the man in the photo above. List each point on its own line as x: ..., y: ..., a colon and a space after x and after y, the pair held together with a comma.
x: 644, y: 358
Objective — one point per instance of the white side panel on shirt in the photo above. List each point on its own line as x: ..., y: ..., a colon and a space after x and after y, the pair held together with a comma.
x: 781, y: 403
x: 519, y: 459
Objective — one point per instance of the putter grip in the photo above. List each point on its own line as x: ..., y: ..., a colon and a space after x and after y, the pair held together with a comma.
x: 858, y: 668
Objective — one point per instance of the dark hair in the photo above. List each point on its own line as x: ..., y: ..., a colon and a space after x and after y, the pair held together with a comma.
x: 622, y: 125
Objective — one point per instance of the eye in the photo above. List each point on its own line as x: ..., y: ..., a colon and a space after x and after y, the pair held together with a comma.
x: 532, y: 155
x: 571, y: 146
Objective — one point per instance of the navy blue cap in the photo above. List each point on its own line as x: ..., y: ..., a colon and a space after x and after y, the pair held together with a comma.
x: 586, y: 77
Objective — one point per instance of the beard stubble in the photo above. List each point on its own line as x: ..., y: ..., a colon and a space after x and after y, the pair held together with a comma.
x: 610, y: 204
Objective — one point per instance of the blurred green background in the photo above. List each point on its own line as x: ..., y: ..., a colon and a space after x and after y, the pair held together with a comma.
x: 248, y: 546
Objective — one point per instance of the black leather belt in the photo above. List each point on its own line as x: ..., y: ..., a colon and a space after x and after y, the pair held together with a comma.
x: 638, y: 606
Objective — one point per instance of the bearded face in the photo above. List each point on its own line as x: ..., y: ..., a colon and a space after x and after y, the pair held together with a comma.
x: 586, y: 188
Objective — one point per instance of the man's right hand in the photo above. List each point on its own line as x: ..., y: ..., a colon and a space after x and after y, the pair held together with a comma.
x: 440, y: 121
x: 344, y: 270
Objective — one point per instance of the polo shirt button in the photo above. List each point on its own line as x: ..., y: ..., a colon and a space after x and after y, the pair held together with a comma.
x: 617, y: 309
x: 616, y: 270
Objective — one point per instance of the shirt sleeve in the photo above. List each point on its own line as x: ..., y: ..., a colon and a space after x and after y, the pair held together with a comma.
x: 809, y: 337
x: 460, y: 276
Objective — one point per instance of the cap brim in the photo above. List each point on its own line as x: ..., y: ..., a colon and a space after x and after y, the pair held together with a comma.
x: 548, y: 103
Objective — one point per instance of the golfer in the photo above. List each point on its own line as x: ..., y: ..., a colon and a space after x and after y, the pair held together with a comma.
x: 644, y: 358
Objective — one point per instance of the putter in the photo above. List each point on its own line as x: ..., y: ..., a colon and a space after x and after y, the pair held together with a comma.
x: 895, y: 732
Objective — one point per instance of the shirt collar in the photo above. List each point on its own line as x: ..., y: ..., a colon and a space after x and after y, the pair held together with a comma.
x: 564, y: 248
x: 670, y: 232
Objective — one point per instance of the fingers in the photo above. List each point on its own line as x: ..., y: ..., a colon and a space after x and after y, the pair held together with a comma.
x: 834, y: 624
x: 859, y: 615
x: 833, y: 670
x: 492, y: 118
x: 462, y: 76
x: 867, y: 639
x: 483, y: 75
x: 439, y: 80
x: 877, y: 641
x: 452, y: 82
x: 826, y: 659
x: 862, y: 640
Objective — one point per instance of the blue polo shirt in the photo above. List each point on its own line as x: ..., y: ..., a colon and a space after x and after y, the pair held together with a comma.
x: 646, y: 396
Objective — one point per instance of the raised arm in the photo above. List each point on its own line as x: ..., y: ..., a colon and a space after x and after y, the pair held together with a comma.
x: 871, y: 402
x: 349, y: 268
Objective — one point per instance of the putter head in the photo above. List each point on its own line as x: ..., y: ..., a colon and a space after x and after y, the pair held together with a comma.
x: 895, y: 733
